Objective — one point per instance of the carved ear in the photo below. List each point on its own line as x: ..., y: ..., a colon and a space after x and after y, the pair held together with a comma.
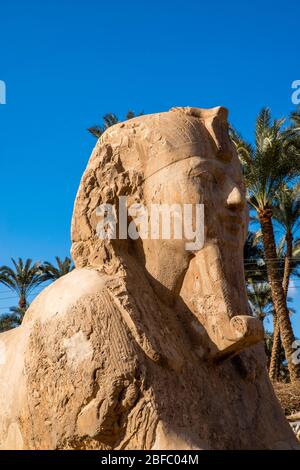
x: 217, y: 125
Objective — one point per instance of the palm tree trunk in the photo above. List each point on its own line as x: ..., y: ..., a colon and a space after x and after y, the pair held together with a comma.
x: 287, y: 262
x: 22, y: 302
x: 274, y: 369
x: 278, y: 295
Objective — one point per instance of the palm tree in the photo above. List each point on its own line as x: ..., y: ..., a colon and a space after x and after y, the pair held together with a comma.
x: 260, y: 298
x: 63, y: 267
x: 23, y: 278
x: 13, y: 318
x: 9, y: 321
x: 259, y: 292
x: 254, y: 265
x: 282, y: 367
x: 131, y: 114
x: 286, y: 213
x: 271, y: 162
x: 295, y: 118
x: 109, y: 119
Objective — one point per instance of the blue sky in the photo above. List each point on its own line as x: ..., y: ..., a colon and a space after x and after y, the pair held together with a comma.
x: 66, y: 63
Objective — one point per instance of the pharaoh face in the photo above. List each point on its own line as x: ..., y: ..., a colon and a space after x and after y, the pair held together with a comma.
x: 210, y: 280
x: 216, y: 183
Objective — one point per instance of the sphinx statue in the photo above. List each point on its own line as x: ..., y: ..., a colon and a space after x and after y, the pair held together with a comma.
x: 147, y: 344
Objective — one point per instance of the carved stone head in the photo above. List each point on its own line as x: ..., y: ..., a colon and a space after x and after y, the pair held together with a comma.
x: 181, y: 157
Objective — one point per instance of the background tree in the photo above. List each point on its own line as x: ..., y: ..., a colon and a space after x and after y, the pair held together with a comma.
x: 52, y: 272
x: 22, y: 278
x: 295, y: 118
x: 274, y: 160
x: 260, y: 298
x: 286, y: 212
x: 9, y: 321
x: 254, y: 264
x: 109, y: 120
x: 283, y: 373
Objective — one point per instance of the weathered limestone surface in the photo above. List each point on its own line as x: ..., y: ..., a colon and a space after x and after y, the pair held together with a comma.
x: 294, y: 421
x: 147, y: 345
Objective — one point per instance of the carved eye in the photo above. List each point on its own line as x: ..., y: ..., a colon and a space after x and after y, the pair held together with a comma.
x: 206, y: 177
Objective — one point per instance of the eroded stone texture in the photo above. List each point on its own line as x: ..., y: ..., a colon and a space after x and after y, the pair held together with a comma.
x: 147, y: 345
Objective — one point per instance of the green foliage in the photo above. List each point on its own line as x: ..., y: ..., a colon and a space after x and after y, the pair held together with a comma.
x: 295, y: 118
x: 254, y: 265
x: 260, y: 298
x: 8, y: 321
x: 273, y: 161
x: 52, y: 272
x: 283, y: 369
x: 109, y: 120
x: 286, y: 208
x: 22, y: 278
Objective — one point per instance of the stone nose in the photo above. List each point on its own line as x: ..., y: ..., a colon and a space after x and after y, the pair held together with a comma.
x: 235, y: 199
